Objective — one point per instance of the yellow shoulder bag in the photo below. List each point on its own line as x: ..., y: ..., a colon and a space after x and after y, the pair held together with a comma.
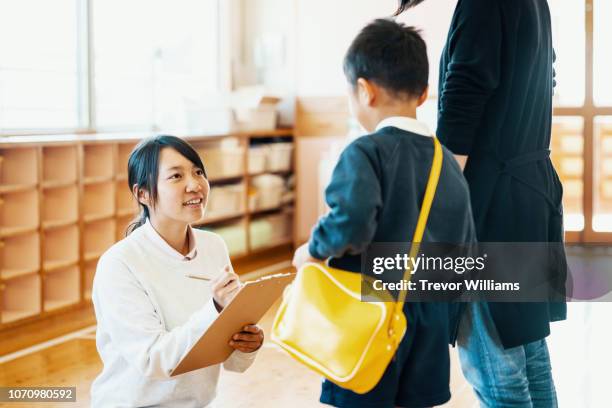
x: 324, y: 324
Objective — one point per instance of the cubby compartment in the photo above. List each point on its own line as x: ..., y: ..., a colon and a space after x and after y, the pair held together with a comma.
x: 61, y: 247
x: 19, y: 255
x: 222, y: 160
x: 258, y: 156
x: 98, y: 201
x: 60, y: 206
x: 126, y: 203
x: 59, y: 165
x: 225, y: 201
x: 88, y: 277
x: 266, y: 192
x: 99, y: 236
x: 98, y: 162
x: 279, y: 157
x: 18, y: 167
x: 123, y: 154
x: 61, y: 288
x: 20, y: 298
x: 270, y: 230
x: 18, y: 212
x: 234, y: 235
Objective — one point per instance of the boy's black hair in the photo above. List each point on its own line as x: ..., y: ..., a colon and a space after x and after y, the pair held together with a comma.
x: 391, y: 55
x: 143, y: 168
x: 404, y: 5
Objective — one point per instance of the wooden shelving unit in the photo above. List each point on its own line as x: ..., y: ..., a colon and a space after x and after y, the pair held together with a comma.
x: 65, y: 200
x: 20, y: 255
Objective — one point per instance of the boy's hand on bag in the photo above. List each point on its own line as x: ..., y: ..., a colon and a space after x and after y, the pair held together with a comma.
x: 301, y: 256
x: 224, y: 287
x: 248, y: 340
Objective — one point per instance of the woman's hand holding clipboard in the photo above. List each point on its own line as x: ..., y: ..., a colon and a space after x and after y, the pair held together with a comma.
x: 225, y: 287
x: 238, y: 318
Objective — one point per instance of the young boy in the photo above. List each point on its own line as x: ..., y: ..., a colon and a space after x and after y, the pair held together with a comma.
x: 375, y: 195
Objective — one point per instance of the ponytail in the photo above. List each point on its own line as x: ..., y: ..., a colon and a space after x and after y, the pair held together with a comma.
x: 138, y: 221
x: 404, y: 5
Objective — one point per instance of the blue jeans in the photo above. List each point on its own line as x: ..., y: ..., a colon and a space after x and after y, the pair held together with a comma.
x: 518, y: 377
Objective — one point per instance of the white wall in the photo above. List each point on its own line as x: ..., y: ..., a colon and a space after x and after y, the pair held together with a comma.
x: 325, y: 29
x: 317, y: 33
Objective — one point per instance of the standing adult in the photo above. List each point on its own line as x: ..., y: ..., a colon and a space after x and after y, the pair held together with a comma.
x: 495, y: 114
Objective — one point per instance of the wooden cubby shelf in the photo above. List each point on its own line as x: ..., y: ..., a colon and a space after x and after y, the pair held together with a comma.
x: 60, y: 206
x: 98, y: 237
x: 98, y: 201
x: 60, y: 165
x: 61, y: 288
x: 98, y: 162
x: 19, y: 255
x: 56, y: 184
x: 20, y: 298
x: 61, y: 247
x: 270, y: 230
x: 65, y: 201
x: 18, y: 212
x: 18, y: 168
x: 234, y: 234
x: 17, y: 188
x: 96, y: 180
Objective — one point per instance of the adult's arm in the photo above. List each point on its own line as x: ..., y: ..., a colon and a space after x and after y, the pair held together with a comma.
x: 472, y: 73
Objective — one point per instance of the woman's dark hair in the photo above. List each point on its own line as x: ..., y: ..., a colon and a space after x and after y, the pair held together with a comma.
x: 391, y: 55
x: 404, y: 5
x: 143, y: 169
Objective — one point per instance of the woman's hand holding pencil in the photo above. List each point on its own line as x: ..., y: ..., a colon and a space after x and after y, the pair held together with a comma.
x: 224, y: 287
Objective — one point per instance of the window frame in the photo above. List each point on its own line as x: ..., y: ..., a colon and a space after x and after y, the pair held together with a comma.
x: 588, y: 112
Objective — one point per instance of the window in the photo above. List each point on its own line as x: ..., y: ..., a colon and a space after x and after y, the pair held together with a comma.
x: 39, y: 64
x: 154, y: 60
x: 567, y: 152
x: 602, y: 91
x: 568, y: 27
x: 582, y: 129
x: 602, y: 217
x: 153, y: 63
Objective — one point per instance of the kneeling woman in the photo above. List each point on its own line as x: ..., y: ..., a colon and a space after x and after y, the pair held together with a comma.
x: 149, y: 311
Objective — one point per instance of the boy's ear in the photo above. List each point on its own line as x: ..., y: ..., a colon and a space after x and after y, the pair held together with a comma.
x: 423, y: 97
x: 366, y: 92
x: 142, y: 195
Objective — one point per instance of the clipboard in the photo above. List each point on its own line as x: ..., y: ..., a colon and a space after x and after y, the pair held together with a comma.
x: 248, y: 307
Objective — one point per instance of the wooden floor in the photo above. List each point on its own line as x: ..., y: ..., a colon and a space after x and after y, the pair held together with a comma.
x: 579, y: 351
x: 273, y: 381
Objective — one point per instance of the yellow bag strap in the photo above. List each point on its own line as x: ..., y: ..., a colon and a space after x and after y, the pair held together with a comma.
x: 430, y: 193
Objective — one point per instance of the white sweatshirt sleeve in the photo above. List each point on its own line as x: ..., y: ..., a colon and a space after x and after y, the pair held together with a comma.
x: 126, y: 313
x: 239, y: 361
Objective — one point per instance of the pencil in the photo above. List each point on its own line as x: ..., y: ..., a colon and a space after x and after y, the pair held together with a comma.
x: 199, y: 277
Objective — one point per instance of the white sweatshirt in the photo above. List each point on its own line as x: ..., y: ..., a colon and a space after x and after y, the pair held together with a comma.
x: 150, y: 314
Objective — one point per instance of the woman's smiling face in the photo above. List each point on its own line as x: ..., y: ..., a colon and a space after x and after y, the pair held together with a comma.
x: 182, y: 189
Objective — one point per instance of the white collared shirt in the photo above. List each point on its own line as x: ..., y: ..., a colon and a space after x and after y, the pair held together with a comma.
x: 405, y: 123
x: 149, y: 314
x: 162, y: 245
